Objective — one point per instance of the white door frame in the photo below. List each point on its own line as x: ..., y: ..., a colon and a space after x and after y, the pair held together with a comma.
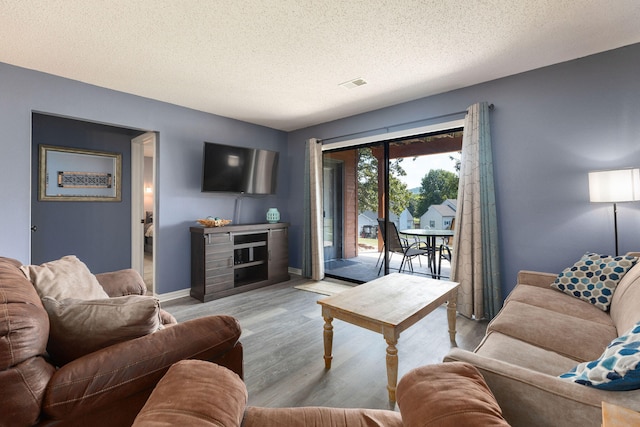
x: 145, y: 143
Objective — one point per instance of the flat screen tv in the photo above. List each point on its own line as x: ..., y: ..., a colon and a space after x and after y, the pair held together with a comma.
x: 232, y: 169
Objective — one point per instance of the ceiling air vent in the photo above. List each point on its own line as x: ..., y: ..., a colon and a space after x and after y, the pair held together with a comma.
x: 353, y: 83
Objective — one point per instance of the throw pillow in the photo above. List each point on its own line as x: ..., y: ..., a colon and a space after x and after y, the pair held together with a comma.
x: 594, y: 278
x: 617, y: 369
x: 79, y: 327
x: 67, y: 277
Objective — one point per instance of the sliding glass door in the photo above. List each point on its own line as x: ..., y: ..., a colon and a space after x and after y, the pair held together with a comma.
x: 400, y: 181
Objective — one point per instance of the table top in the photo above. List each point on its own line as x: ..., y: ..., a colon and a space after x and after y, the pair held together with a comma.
x: 427, y: 232
x: 393, y: 299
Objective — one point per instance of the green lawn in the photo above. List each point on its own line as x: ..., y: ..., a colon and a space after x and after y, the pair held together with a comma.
x: 366, y: 243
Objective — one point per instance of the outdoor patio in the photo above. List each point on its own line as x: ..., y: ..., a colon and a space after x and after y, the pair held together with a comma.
x: 366, y: 265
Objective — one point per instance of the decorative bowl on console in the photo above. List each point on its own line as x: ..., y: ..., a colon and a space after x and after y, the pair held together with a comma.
x: 214, y: 222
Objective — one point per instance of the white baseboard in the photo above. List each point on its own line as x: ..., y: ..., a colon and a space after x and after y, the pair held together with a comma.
x: 173, y: 295
x: 297, y: 271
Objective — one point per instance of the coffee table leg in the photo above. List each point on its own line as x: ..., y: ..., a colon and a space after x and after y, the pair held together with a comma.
x: 392, y: 368
x: 452, y: 305
x: 328, y: 342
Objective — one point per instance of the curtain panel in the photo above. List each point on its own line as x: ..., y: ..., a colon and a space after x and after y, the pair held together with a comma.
x: 475, y: 261
x: 312, y: 243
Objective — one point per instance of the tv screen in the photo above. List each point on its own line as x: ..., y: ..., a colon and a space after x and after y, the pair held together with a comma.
x: 232, y: 169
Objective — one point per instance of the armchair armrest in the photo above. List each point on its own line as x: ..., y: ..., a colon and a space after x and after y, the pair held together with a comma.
x: 536, y: 278
x: 108, y: 376
x: 531, y: 398
x: 128, y: 282
x: 210, y: 395
x: 447, y: 394
x: 122, y: 282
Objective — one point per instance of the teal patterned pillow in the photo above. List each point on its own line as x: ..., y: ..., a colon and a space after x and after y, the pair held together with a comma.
x: 594, y: 278
x: 617, y: 369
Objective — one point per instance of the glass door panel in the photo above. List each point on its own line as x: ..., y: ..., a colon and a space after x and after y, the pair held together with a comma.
x: 333, y: 208
x: 351, y: 199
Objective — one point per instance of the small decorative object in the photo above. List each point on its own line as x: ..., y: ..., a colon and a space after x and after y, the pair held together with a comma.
x: 273, y: 215
x: 214, y: 222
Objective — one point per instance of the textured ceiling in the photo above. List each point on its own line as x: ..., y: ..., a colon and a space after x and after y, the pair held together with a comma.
x: 279, y: 63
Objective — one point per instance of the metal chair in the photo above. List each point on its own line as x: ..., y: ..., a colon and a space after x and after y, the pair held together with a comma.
x: 401, y: 246
x: 444, y: 251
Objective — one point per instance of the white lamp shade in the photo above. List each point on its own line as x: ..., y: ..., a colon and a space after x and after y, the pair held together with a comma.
x: 613, y: 186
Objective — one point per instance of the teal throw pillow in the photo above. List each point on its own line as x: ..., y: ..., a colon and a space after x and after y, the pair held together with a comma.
x: 594, y: 278
x: 617, y: 369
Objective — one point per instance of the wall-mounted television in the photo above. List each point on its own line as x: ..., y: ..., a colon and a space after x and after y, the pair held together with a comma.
x: 232, y: 169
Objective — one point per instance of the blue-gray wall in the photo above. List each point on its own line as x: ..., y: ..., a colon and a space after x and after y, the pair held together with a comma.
x: 550, y: 127
x: 181, y: 134
x: 98, y: 232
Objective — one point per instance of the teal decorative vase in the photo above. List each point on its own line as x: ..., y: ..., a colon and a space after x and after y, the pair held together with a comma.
x: 273, y: 215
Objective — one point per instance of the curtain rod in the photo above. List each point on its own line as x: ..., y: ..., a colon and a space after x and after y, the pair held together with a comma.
x: 442, y: 116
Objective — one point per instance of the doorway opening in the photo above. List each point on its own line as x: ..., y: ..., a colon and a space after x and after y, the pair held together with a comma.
x: 417, y: 190
x: 143, y: 211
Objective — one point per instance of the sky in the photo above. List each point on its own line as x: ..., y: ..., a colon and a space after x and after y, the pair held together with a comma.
x: 417, y: 169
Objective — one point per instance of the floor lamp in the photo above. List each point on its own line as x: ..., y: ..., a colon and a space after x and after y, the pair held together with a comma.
x: 614, y: 186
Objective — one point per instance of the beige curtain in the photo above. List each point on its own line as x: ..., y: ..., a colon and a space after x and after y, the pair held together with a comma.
x: 474, y: 261
x: 313, y: 247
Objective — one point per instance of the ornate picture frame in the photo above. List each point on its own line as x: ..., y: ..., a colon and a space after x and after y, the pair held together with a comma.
x: 72, y: 174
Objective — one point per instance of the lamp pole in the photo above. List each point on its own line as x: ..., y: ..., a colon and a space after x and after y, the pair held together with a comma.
x: 615, y: 224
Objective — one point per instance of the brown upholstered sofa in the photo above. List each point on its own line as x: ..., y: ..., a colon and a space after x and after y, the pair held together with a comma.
x: 541, y: 333
x: 447, y: 394
x: 103, y: 388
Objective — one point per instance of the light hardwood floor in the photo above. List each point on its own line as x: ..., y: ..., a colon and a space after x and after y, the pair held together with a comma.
x: 283, y: 348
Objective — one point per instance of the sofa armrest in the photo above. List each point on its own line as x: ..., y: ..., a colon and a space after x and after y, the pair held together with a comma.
x: 531, y: 398
x: 122, y: 282
x: 210, y: 395
x: 109, y: 375
x: 536, y: 278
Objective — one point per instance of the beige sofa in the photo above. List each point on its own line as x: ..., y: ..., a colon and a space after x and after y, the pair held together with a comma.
x: 541, y: 333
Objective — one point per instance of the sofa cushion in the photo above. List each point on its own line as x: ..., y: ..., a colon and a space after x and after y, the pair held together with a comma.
x: 594, y: 278
x: 79, y: 327
x: 559, y: 302
x: 516, y: 352
x: 618, y: 368
x: 576, y: 338
x: 67, y: 277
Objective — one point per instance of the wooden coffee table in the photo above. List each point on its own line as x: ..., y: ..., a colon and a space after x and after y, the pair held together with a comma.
x: 389, y: 305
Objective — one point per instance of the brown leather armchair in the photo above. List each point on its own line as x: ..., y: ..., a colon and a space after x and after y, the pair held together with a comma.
x: 107, y: 387
x: 446, y: 394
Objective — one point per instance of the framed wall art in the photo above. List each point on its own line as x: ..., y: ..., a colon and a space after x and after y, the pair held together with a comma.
x: 72, y: 174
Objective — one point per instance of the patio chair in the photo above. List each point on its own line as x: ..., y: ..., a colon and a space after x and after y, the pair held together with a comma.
x: 445, y: 249
x: 444, y: 253
x: 401, y: 246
